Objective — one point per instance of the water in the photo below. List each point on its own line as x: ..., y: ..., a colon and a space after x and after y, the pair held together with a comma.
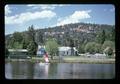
x: 28, y: 70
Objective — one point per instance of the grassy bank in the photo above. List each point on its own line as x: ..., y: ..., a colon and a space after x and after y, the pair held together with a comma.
x: 88, y: 60
x: 68, y: 59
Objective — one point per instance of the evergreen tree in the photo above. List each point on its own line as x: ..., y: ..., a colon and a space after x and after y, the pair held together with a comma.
x: 72, y: 45
x: 100, y: 38
x: 32, y: 47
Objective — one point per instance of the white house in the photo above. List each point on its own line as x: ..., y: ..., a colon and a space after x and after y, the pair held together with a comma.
x: 62, y: 51
x: 66, y: 51
x: 18, y: 53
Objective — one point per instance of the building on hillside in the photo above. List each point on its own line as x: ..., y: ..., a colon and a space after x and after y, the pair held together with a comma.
x: 66, y: 51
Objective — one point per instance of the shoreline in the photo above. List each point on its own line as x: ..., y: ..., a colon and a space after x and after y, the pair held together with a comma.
x: 68, y: 60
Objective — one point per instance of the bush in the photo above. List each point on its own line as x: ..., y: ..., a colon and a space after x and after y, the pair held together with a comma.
x: 110, y: 44
x: 108, y: 47
x: 108, y: 51
x: 93, y: 47
x: 81, y: 48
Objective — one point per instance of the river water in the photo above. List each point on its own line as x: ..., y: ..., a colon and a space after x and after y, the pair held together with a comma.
x: 29, y: 70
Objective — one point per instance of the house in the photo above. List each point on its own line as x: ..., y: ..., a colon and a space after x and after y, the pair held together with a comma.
x: 40, y: 50
x: 62, y: 51
x: 66, y: 51
x: 18, y: 53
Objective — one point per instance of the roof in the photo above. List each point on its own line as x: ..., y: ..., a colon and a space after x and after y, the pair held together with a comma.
x: 64, y: 48
x: 41, y: 46
x: 18, y: 50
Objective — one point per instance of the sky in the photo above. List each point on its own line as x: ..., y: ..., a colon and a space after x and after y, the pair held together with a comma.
x: 19, y: 17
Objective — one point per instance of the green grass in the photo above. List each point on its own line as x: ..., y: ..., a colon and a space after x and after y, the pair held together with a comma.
x: 72, y: 59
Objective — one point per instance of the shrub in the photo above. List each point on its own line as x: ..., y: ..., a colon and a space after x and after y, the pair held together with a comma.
x: 93, y: 47
x: 110, y: 44
x: 108, y: 47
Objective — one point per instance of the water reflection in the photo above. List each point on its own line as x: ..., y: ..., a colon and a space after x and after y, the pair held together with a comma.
x: 19, y: 70
x: 8, y: 70
x: 28, y: 70
x: 41, y: 71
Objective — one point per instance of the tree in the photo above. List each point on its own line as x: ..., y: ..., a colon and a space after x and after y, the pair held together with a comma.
x: 17, y: 37
x: 72, y: 45
x: 31, y: 33
x: 52, y: 47
x: 111, y: 36
x: 6, y: 52
x: 108, y: 51
x: 39, y: 37
x: 100, y: 38
x: 17, y: 45
x: 15, y: 41
x: 93, y: 47
x: 108, y: 47
x: 25, y: 41
x: 81, y: 48
x: 110, y: 44
x: 32, y: 48
x: 97, y: 48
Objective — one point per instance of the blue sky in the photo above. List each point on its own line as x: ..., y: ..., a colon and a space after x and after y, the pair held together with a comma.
x: 19, y: 17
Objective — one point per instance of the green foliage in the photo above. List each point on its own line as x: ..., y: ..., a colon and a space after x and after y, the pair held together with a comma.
x: 32, y: 45
x: 108, y: 51
x: 17, y: 45
x: 39, y: 38
x: 51, y: 47
x: 6, y: 52
x: 72, y: 45
x: 98, y: 48
x: 17, y: 37
x: 31, y: 33
x: 92, y: 47
x: 108, y: 47
x: 98, y: 34
x: 110, y: 44
x: 15, y: 41
x: 32, y: 48
x: 111, y: 35
x: 100, y: 38
x: 81, y: 48
x: 10, y: 43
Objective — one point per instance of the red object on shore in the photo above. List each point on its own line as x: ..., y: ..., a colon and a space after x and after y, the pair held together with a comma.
x: 46, y: 57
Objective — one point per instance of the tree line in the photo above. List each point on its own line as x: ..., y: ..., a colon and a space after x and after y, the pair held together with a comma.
x: 103, y: 40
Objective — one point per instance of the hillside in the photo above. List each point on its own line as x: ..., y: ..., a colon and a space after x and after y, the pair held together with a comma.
x: 80, y: 33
